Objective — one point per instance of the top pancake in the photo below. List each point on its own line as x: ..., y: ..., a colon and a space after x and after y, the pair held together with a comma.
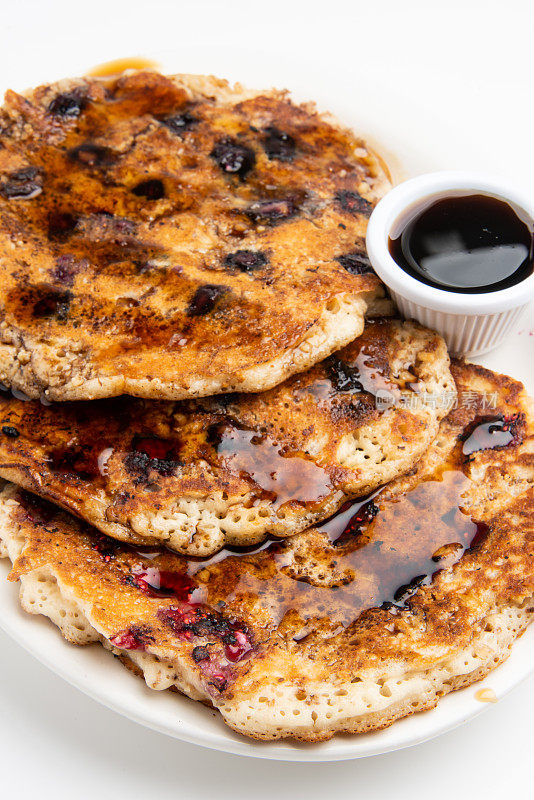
x: 172, y: 237
x: 346, y: 627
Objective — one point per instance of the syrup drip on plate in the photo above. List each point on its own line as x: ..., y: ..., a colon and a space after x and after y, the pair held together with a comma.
x: 486, y: 696
x: 120, y: 65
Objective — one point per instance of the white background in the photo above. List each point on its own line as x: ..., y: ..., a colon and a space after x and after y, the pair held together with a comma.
x: 441, y: 85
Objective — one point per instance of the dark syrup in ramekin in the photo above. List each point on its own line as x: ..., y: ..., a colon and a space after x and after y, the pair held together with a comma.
x: 470, y: 243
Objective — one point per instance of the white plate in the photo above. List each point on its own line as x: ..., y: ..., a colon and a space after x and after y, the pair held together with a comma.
x: 93, y: 670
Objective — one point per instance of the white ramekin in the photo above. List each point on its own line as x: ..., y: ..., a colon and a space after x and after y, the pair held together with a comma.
x: 471, y: 324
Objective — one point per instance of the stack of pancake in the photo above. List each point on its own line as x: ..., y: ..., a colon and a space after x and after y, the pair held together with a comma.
x: 222, y: 455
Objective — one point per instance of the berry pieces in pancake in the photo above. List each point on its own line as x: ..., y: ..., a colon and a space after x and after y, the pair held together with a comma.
x: 173, y: 237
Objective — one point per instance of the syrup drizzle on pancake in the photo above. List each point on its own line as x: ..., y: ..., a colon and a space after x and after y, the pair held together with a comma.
x: 490, y: 433
x: 374, y: 552
x: 278, y: 473
x: 104, y: 183
x: 282, y: 477
x: 372, y: 556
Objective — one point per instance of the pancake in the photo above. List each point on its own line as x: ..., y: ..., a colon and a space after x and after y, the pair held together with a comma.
x: 174, y: 237
x: 390, y: 605
x: 232, y: 469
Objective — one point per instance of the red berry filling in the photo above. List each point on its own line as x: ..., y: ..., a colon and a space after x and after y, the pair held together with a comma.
x: 161, y: 583
x: 190, y: 620
x: 134, y: 638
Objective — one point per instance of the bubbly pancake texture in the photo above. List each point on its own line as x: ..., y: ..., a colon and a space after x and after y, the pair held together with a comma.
x: 231, y: 469
x: 375, y: 615
x: 173, y: 237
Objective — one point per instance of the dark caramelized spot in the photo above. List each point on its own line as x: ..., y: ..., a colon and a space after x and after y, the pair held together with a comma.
x: 356, y: 263
x: 52, y: 303
x: 160, y: 449
x: 92, y: 155
x: 205, y: 299
x: 344, y: 377
x: 136, y: 637
x: 353, y: 203
x: 278, y: 145
x: 147, y: 454
x: 366, y: 372
x: 70, y: 104
x: 140, y: 465
x: 272, y: 211
x: 37, y: 510
x: 178, y: 123
x: 223, y: 400
x: 283, y: 477
x: 215, y: 432
x: 482, y: 533
x: 363, y: 512
x: 246, y: 260
x: 60, y: 224
x: 490, y: 434
x: 192, y: 619
x: 10, y: 431
x: 200, y: 653
x: 152, y: 189
x: 24, y: 184
x: 220, y: 682
x: 404, y: 592
x: 233, y: 158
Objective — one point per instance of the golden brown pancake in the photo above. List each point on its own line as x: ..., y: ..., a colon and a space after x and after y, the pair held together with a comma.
x: 391, y: 604
x: 173, y: 237
x: 200, y: 474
